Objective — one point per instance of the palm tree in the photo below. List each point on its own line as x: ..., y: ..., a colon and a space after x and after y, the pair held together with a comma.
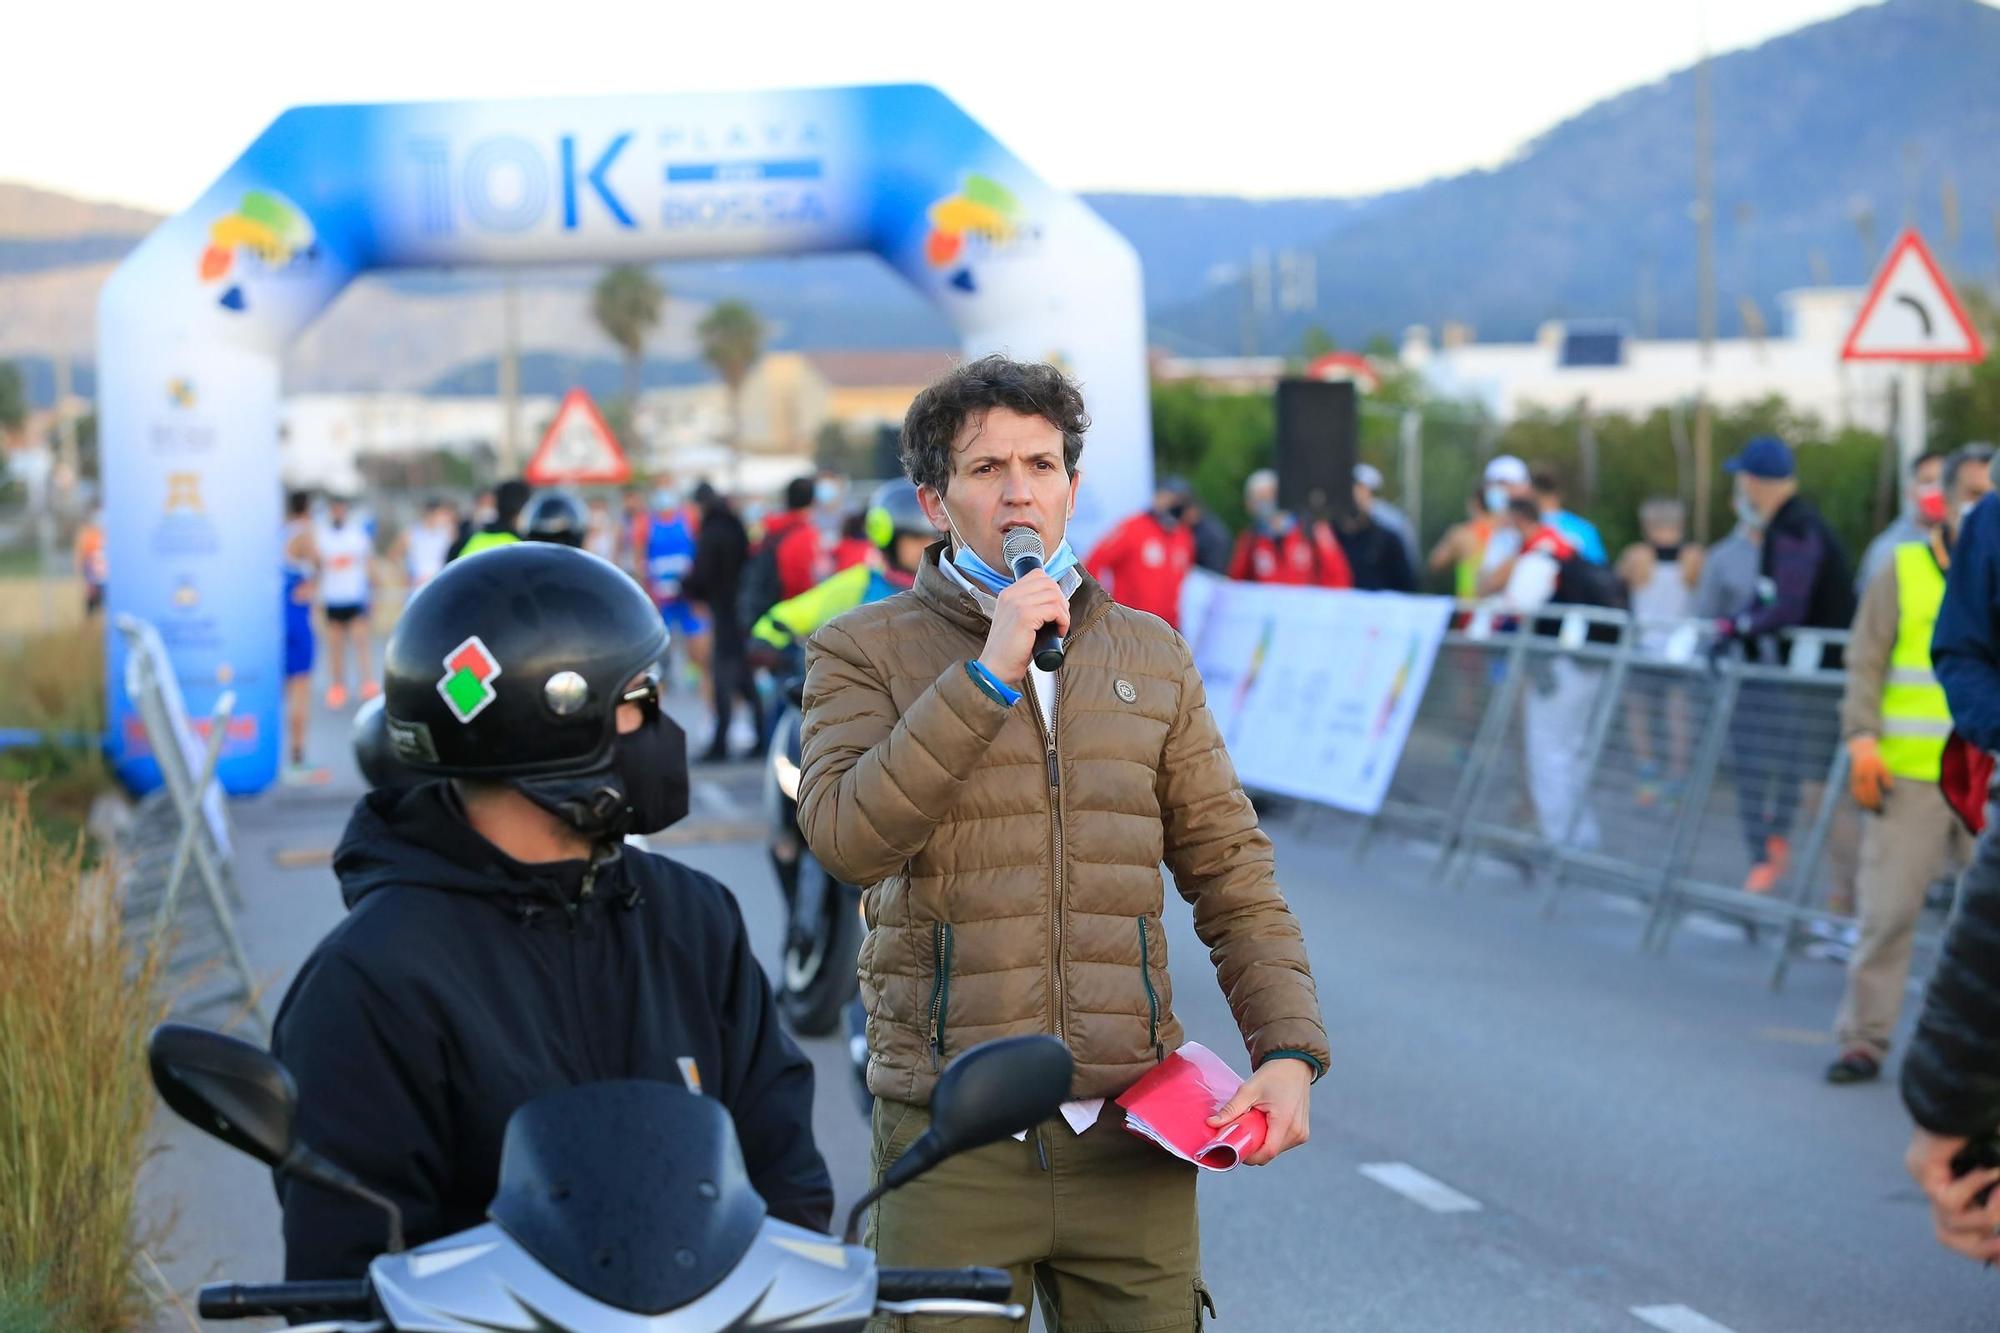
x: 627, y: 305
x: 732, y: 338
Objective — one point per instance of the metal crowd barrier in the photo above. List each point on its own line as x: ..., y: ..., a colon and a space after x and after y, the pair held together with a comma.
x: 1531, y: 795
x: 1590, y: 750
x: 1453, y: 736
x: 182, y: 831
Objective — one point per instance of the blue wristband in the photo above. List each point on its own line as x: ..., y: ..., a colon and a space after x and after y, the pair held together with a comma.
x: 995, y: 688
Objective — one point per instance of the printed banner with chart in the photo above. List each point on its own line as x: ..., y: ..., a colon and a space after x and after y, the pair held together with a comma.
x: 1314, y: 690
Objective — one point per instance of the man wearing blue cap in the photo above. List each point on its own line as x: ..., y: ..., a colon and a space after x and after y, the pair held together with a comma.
x: 1803, y: 582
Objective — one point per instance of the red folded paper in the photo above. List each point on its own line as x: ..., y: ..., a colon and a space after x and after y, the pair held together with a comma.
x: 1172, y: 1103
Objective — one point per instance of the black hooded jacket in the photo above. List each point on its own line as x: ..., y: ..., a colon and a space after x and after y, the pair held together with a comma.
x: 463, y: 983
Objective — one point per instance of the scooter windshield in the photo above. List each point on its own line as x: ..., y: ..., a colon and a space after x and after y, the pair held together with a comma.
x: 634, y: 1193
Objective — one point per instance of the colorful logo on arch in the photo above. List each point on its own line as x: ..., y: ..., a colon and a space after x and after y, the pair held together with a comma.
x: 265, y: 230
x: 981, y: 216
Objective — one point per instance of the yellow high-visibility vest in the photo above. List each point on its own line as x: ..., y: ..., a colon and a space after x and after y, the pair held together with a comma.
x: 487, y: 541
x: 1916, y: 720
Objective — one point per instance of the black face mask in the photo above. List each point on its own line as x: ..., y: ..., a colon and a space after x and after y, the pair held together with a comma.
x: 652, y: 765
x: 1171, y: 515
x: 642, y: 788
x: 1667, y: 554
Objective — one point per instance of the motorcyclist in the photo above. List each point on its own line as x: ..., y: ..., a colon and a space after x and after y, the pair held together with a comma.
x: 556, y: 516
x: 501, y: 940
x: 900, y: 531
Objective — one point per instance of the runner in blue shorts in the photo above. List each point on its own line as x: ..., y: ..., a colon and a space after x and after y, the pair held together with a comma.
x: 669, y: 558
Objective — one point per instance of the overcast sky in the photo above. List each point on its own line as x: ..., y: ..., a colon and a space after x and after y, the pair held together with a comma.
x: 146, y: 103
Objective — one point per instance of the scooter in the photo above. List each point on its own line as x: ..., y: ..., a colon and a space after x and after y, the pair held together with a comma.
x: 623, y: 1207
x: 823, y: 925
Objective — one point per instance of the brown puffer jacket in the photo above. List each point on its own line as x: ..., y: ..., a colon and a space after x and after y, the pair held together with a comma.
x: 1014, y: 880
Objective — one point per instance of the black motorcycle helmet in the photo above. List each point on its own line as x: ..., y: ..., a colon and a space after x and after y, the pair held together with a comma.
x: 555, y: 516
x: 375, y: 754
x: 510, y: 665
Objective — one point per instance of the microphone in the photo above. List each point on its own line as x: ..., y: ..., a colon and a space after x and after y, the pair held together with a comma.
x: 1022, y: 549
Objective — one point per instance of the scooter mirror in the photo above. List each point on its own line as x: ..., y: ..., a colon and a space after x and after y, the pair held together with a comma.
x: 995, y: 1089
x: 999, y: 1088
x: 241, y: 1094
x: 225, y: 1087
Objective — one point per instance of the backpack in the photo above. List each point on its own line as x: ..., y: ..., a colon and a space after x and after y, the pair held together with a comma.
x: 761, y: 588
x: 1581, y: 582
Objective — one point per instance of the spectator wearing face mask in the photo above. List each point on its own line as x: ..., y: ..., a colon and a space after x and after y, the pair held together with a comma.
x: 1279, y: 548
x: 1388, y: 516
x: 1506, y: 480
x: 1895, y: 718
x: 1803, y: 581
x: 1375, y: 553
x: 1144, y: 561
x: 1212, y: 542
x: 1923, y: 510
x: 1660, y: 575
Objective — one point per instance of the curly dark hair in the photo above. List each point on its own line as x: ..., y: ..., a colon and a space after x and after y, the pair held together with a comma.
x: 1032, y: 388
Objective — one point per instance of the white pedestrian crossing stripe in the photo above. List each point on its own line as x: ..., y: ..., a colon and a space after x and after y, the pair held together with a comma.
x: 1676, y: 1319
x: 1419, y: 1188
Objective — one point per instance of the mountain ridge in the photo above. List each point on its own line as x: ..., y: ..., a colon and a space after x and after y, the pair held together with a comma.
x: 1828, y: 139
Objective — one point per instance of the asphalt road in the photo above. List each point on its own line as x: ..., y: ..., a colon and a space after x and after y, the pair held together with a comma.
x: 1529, y: 1125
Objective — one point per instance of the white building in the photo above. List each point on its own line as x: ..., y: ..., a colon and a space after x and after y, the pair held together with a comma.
x: 322, y: 435
x: 1593, y: 361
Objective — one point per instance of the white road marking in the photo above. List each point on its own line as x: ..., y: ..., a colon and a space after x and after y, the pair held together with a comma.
x: 713, y: 801
x: 1419, y: 1188
x: 1676, y: 1319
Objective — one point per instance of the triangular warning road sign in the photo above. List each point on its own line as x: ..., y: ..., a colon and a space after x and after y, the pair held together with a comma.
x: 1911, y: 314
x: 578, y: 448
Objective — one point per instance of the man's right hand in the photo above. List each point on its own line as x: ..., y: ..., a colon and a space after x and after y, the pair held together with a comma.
x: 1867, y: 776
x: 1025, y: 606
x: 1960, y: 1222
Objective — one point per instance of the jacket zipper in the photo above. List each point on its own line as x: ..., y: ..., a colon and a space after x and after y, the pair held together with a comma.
x: 1152, y: 997
x: 1048, y: 728
x: 576, y: 935
x: 940, y: 988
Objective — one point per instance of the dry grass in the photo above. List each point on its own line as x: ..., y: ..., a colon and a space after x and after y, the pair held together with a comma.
x: 75, y: 1102
x: 54, y: 681
x: 54, y: 684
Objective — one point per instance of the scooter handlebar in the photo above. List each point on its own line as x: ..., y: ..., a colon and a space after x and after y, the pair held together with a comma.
x: 251, y: 1300
x: 921, y: 1284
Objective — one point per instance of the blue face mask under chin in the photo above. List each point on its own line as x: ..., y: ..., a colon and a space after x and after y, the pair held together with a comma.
x: 993, y: 580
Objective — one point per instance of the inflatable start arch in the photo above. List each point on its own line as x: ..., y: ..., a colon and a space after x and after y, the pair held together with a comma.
x: 194, y: 325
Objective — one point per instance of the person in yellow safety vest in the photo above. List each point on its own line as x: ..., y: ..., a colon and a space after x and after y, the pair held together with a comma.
x: 509, y: 499
x: 900, y: 530
x: 1895, y: 721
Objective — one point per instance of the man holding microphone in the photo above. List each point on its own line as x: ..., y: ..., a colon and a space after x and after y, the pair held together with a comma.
x: 1009, y: 822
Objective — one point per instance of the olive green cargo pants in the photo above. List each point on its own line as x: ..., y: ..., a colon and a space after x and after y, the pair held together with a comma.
x: 1101, y: 1226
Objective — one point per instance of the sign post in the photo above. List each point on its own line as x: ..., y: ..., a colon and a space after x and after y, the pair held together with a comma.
x: 578, y: 448
x: 1912, y: 318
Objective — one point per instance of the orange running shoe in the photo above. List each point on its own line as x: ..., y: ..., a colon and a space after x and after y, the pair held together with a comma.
x: 336, y: 696
x: 1767, y: 873
x: 369, y: 690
